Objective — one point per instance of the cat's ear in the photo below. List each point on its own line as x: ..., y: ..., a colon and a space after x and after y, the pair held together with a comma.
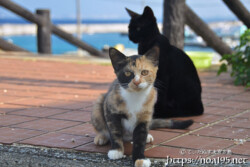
x: 131, y: 13
x: 153, y: 55
x: 148, y: 12
x: 118, y: 59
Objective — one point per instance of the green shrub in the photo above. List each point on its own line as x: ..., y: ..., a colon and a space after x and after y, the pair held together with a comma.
x: 239, y: 61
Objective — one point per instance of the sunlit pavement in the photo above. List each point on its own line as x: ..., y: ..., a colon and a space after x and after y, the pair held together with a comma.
x: 48, y: 104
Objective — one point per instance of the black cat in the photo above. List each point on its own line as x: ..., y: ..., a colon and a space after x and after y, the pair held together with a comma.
x: 178, y: 84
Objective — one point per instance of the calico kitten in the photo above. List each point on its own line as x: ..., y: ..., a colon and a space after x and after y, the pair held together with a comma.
x: 177, y: 81
x: 125, y: 111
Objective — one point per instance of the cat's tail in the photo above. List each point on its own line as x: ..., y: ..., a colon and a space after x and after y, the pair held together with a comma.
x: 171, y: 124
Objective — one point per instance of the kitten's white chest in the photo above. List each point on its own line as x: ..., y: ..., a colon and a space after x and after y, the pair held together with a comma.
x: 134, y: 103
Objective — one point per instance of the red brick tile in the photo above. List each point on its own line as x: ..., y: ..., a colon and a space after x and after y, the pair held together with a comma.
x: 58, y: 140
x: 192, y: 127
x: 208, y: 101
x: 38, y: 112
x: 83, y: 129
x: 23, y: 93
x: 205, y: 118
x: 66, y: 97
x: 172, y: 152
x: 161, y: 136
x: 128, y: 148
x: 222, y: 111
x: 4, y: 108
x: 88, y: 130
x: 225, y: 90
x: 243, y: 97
x: 217, y: 96
x: 245, y: 115
x: 6, y: 99
x: 6, y: 120
x: 74, y: 116
x: 32, y: 102
x: 47, y: 124
x: 231, y: 104
x: 88, y: 109
x: 199, y: 142
x: 70, y: 105
x: 224, y: 132
x: 13, y: 135
x: 75, y: 87
x: 91, y: 147
x: 242, y: 149
x: 236, y: 122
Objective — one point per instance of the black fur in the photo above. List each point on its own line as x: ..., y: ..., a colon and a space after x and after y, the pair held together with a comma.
x: 178, y: 84
x: 139, y: 141
x: 182, y: 124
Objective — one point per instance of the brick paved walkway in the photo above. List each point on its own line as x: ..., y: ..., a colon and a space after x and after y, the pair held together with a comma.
x: 45, y: 103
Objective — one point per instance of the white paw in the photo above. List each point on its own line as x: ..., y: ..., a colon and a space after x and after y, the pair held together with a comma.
x: 115, y: 154
x: 150, y: 138
x: 142, y: 163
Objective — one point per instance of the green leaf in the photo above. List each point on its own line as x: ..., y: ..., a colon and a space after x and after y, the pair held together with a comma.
x: 223, y: 68
x: 248, y: 85
x: 239, y: 61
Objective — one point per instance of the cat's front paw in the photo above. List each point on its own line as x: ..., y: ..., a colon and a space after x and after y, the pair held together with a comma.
x: 115, y: 154
x: 100, y: 140
x: 150, y: 139
x: 142, y: 163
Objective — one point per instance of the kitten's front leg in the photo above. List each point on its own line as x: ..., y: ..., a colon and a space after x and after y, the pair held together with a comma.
x: 115, y: 130
x: 139, y: 141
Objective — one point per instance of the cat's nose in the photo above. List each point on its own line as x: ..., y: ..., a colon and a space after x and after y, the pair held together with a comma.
x: 136, y: 82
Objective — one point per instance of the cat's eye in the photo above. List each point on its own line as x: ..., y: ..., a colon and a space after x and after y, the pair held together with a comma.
x: 138, y: 28
x: 144, y: 72
x: 127, y: 73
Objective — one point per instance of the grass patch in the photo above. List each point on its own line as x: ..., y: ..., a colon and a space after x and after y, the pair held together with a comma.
x: 201, y: 60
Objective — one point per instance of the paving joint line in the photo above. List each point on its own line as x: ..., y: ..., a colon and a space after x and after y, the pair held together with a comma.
x: 232, y: 146
x: 195, y: 130
x: 45, y: 133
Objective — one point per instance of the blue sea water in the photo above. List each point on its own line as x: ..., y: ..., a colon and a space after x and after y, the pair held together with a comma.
x: 97, y: 40
x: 64, y: 21
x: 60, y: 46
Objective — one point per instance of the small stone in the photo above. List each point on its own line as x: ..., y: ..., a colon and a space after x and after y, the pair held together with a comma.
x: 73, y: 140
x: 239, y: 141
x: 76, y: 96
x: 86, y: 135
x: 62, y: 139
x: 5, y: 90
